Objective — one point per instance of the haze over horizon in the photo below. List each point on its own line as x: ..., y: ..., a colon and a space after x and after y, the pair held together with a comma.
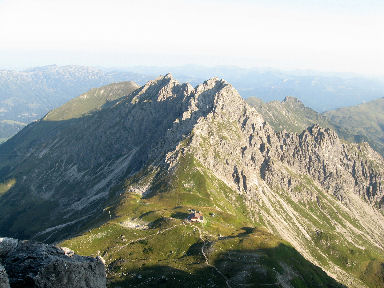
x: 330, y: 36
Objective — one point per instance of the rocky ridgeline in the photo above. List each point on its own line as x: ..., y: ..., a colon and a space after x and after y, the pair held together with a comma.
x: 31, y: 264
x: 301, y: 185
x: 248, y: 144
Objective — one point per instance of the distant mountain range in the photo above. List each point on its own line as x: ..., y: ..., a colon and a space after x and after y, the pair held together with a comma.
x: 117, y: 171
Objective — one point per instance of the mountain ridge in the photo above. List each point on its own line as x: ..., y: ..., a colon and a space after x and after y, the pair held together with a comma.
x: 207, y: 149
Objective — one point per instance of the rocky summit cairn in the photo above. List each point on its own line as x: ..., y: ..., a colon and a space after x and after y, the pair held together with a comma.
x: 32, y: 264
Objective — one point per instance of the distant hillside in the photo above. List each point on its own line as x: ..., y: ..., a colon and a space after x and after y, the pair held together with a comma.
x: 90, y: 101
x: 290, y: 114
x: 365, y: 120
x: 27, y: 95
x: 8, y: 128
x: 354, y: 124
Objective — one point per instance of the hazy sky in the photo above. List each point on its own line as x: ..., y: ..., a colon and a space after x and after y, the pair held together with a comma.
x: 345, y: 35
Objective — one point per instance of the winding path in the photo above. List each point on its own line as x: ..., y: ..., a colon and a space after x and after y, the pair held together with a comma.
x: 206, y: 258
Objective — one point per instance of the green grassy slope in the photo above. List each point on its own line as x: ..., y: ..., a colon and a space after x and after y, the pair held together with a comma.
x: 366, y: 120
x: 290, y: 114
x: 148, y: 243
x: 90, y: 101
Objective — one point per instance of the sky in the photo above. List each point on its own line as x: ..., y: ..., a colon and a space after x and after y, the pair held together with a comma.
x: 332, y: 36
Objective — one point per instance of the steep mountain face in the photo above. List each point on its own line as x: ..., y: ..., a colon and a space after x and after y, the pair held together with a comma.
x: 27, y: 95
x: 128, y: 173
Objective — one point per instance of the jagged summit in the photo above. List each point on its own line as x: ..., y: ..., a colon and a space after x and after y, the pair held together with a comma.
x: 204, y: 96
x: 168, y: 75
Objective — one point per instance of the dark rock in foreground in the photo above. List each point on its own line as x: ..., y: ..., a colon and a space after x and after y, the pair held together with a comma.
x: 32, y: 264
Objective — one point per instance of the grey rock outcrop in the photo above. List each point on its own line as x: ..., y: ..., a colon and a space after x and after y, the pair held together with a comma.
x: 32, y: 264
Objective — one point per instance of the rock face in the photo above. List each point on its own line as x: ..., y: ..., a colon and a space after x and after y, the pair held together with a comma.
x: 318, y: 152
x: 32, y: 264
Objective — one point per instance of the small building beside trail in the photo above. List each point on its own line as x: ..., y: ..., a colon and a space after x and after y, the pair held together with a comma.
x: 196, y: 216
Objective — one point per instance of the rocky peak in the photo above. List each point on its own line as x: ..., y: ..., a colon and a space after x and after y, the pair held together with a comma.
x: 210, y: 84
x: 221, y: 98
x: 206, y: 96
x: 291, y: 99
x: 292, y: 102
x: 167, y: 76
x: 159, y: 89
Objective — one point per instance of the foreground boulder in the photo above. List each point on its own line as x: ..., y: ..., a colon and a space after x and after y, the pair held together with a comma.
x: 32, y: 264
